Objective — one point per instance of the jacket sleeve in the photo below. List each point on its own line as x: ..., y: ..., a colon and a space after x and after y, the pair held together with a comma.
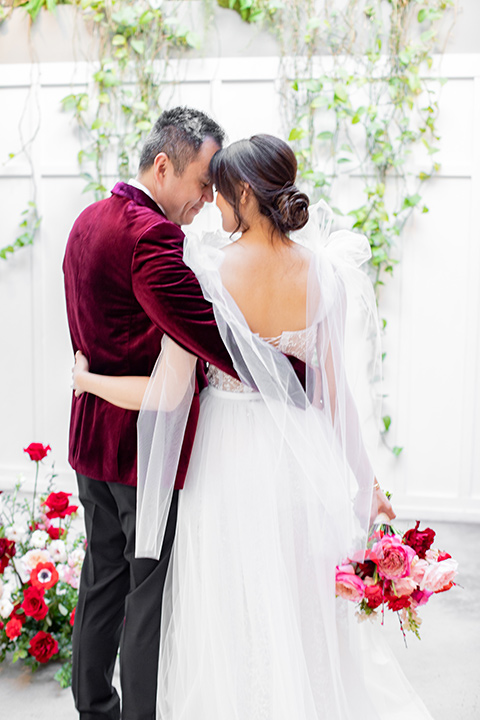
x: 171, y: 295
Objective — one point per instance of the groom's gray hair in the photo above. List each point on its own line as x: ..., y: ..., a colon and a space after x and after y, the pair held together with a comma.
x: 179, y: 133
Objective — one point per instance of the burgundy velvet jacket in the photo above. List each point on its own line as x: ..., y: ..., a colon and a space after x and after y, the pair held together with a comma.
x: 126, y: 285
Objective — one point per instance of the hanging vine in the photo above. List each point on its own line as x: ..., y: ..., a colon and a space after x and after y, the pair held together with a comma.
x: 360, y: 102
x: 123, y: 97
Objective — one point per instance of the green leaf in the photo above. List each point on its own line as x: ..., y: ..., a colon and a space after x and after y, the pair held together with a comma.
x: 411, y: 201
x: 297, y: 133
x: 119, y: 40
x: 397, y: 450
x: 340, y: 92
x: 138, y: 46
x: 422, y: 15
x: 387, y: 421
x: 325, y: 135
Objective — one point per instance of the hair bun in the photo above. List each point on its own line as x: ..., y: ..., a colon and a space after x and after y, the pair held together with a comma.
x: 293, y: 208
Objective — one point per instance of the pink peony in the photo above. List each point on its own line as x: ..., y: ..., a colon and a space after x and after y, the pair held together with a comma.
x: 393, y: 559
x: 347, y: 584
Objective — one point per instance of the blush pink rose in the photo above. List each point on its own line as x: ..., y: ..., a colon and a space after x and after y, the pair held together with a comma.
x: 418, y: 569
x: 439, y: 575
x: 405, y: 586
x: 348, y: 585
x: 393, y: 559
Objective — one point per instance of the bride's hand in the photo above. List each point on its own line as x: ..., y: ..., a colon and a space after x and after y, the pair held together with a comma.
x: 81, y: 366
x: 381, y: 505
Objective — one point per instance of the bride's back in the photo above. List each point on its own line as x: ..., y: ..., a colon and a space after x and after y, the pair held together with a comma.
x: 268, y: 282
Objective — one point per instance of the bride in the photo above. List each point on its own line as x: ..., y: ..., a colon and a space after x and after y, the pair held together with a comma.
x: 279, y: 487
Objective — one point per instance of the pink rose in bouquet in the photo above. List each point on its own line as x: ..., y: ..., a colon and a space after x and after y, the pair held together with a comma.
x: 438, y: 575
x: 347, y: 584
x: 390, y: 573
x: 392, y: 558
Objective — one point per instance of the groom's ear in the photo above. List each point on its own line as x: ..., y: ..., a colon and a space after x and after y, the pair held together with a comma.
x: 160, y: 166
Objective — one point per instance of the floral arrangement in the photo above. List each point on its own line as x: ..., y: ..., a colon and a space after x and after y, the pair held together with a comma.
x: 398, y: 572
x: 40, y: 566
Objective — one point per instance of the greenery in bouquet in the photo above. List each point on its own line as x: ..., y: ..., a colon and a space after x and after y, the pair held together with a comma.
x: 40, y: 562
x: 396, y: 572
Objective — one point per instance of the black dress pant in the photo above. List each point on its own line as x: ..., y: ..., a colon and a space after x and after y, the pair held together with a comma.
x: 119, y: 605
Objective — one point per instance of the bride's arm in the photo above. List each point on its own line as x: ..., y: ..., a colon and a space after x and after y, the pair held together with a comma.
x: 126, y: 392
x: 167, y: 386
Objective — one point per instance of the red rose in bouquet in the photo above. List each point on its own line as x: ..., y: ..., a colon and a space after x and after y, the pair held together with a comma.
x: 43, y: 647
x: 7, y: 551
x: 37, y: 451
x: 34, y: 604
x: 59, y: 505
x: 13, y: 628
x: 419, y: 540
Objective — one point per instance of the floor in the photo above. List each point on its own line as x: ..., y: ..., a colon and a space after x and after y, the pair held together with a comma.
x: 444, y: 667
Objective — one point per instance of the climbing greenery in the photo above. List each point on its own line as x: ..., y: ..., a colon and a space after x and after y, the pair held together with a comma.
x: 124, y: 94
x: 124, y: 97
x: 361, y: 105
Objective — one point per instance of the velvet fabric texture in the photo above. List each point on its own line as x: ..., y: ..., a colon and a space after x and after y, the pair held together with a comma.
x: 126, y: 284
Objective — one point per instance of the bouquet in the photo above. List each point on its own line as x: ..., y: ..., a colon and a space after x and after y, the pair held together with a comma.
x: 400, y: 573
x: 40, y: 564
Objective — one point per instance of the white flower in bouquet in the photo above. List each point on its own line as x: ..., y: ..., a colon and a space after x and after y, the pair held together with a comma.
x: 6, y: 607
x: 39, y: 539
x: 30, y: 560
x: 76, y: 558
x: 17, y: 532
x: 58, y: 551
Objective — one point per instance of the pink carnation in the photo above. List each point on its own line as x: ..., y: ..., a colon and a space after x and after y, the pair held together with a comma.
x: 348, y: 585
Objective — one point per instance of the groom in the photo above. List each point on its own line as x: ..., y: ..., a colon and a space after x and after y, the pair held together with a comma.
x: 126, y: 285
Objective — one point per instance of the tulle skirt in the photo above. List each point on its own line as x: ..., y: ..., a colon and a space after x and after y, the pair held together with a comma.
x: 251, y: 628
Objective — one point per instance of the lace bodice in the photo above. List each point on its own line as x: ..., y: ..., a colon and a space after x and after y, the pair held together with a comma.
x: 290, y: 342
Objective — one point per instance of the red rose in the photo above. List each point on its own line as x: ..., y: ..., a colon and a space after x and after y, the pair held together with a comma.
x: 37, y: 451
x: 44, y: 576
x: 7, y: 551
x: 373, y: 596
x: 43, y: 647
x: 58, y: 504
x: 419, y: 540
x: 13, y: 628
x: 34, y: 604
x: 54, y: 532
x: 72, y: 616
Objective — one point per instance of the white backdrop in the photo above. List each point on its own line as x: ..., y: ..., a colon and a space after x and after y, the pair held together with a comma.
x: 432, y: 303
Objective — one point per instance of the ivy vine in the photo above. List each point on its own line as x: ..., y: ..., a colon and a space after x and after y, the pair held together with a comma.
x: 359, y: 102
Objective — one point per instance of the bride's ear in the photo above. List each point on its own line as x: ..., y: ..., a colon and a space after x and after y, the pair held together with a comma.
x: 244, y: 195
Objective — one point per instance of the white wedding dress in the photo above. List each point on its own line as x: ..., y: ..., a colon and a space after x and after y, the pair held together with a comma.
x: 251, y: 627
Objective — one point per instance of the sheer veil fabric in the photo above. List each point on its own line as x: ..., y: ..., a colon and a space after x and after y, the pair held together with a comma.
x: 277, y: 493
x: 342, y: 340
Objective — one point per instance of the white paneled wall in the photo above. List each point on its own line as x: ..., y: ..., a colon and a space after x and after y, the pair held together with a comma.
x: 432, y: 304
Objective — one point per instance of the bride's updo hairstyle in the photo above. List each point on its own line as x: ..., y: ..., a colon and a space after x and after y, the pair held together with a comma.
x: 269, y: 166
